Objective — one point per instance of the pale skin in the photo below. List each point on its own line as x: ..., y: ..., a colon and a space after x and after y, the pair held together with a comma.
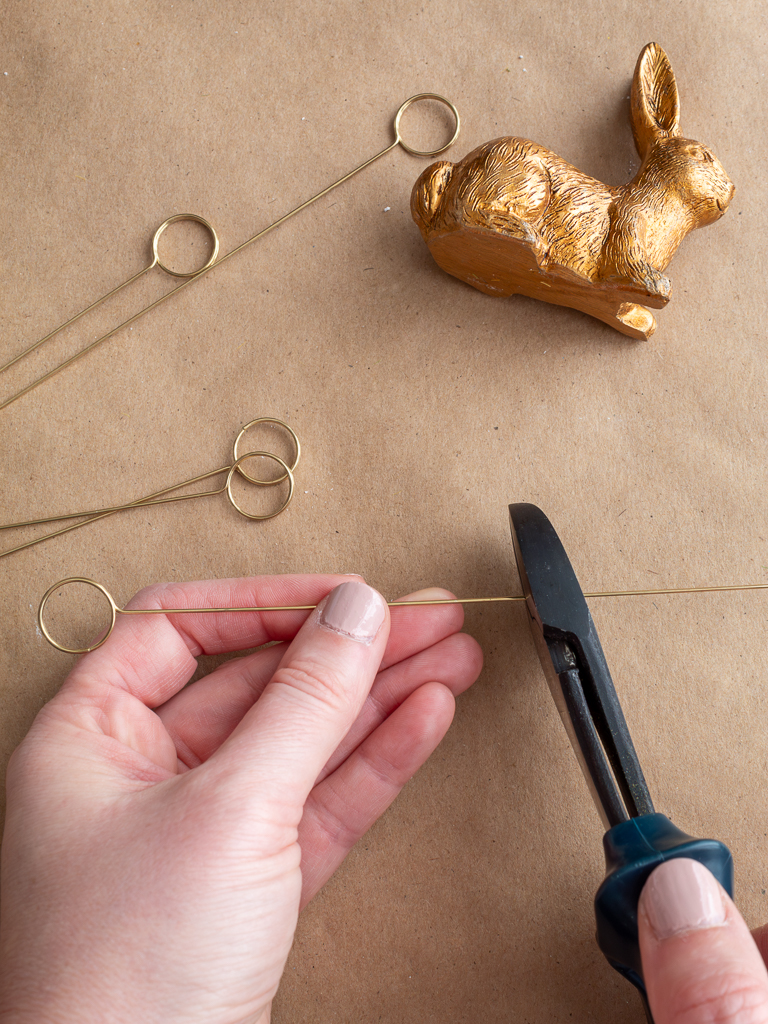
x: 161, y: 839
x: 705, y: 971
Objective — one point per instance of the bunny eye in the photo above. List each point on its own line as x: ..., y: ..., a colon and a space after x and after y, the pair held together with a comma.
x: 699, y: 153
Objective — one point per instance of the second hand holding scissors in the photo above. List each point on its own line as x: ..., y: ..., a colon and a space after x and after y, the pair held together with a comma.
x: 637, y: 839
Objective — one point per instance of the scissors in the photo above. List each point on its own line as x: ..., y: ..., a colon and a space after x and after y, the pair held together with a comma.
x: 637, y: 839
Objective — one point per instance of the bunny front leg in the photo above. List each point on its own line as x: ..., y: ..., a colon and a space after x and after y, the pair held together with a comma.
x: 624, y: 265
x: 634, y: 320
x: 629, y: 318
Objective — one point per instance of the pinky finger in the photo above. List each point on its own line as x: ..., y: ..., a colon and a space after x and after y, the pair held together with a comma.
x: 346, y: 804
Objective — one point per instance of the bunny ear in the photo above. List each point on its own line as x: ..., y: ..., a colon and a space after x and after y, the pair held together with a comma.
x: 655, y: 103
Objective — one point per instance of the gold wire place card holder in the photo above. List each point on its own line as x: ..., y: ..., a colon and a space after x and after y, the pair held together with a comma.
x: 236, y: 467
x: 115, y: 609
x: 214, y: 259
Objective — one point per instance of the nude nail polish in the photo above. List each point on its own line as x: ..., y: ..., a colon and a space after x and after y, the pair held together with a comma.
x: 355, y: 610
x: 682, y: 896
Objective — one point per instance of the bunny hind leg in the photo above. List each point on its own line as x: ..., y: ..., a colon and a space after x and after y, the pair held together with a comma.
x: 510, y: 226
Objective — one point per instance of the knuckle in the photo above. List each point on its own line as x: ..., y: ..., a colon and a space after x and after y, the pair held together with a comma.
x: 380, y: 704
x: 732, y: 998
x: 336, y: 832
x: 150, y: 596
x: 322, y: 683
x: 381, y: 770
x: 164, y: 595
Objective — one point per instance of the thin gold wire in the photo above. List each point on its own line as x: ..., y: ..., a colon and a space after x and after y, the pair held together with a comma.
x: 150, y: 499
x: 213, y: 261
x: 93, y: 519
x: 115, y: 609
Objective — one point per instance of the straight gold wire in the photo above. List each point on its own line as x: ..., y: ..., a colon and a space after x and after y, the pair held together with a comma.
x: 156, y: 262
x: 213, y: 261
x: 679, y: 590
x: 75, y: 318
x: 92, y: 518
x: 115, y: 610
x: 447, y: 600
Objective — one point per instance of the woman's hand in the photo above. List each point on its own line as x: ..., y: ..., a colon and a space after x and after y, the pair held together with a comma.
x: 160, y: 838
x: 700, y: 962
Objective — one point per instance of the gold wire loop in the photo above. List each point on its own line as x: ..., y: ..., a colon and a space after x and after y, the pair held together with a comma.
x: 57, y: 586
x: 279, y: 479
x: 236, y: 468
x: 172, y: 220
x: 416, y: 99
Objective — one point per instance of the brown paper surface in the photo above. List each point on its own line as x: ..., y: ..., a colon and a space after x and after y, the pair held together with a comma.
x: 424, y: 408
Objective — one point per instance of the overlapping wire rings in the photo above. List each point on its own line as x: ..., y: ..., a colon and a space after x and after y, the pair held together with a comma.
x: 287, y: 474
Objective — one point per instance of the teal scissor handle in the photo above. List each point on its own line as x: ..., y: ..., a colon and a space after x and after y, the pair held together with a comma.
x: 633, y: 849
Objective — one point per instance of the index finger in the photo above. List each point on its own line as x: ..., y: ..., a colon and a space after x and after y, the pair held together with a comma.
x: 153, y: 656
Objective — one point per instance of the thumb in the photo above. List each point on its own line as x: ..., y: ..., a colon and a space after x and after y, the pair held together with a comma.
x: 282, y: 743
x: 700, y: 963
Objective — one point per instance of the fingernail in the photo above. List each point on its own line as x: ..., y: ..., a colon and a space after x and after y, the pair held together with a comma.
x: 354, y: 609
x: 682, y: 896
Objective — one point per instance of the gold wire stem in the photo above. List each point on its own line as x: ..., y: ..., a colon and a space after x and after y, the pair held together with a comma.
x: 302, y: 607
x: 435, y: 601
x: 92, y: 519
x: 116, y: 610
x: 455, y: 600
x: 149, y: 499
x: 88, y: 348
x: 73, y: 319
x: 679, y: 590
x: 213, y: 261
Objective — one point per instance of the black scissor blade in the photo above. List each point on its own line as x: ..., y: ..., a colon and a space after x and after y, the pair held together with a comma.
x: 576, y: 669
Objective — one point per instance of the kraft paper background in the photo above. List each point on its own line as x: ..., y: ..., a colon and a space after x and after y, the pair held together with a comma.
x: 424, y: 408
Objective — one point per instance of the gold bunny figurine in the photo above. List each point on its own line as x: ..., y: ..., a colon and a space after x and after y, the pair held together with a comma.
x: 512, y: 217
